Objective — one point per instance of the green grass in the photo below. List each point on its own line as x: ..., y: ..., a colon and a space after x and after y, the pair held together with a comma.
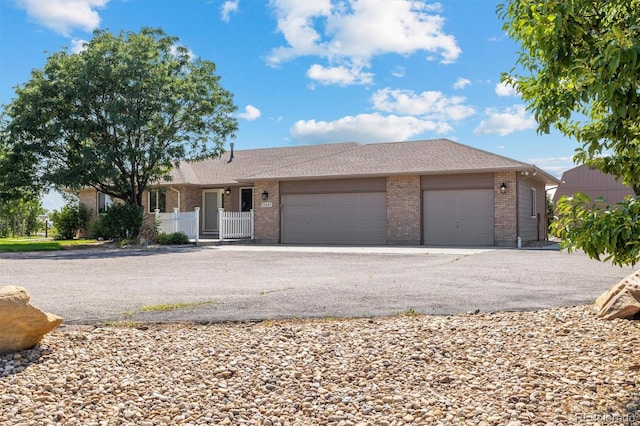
x: 122, y: 324
x: 407, y: 313
x: 172, y: 306
x: 38, y: 244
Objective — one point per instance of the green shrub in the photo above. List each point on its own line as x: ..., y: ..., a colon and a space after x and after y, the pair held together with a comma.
x: 175, y: 238
x: 99, y: 229
x: 69, y: 220
x: 119, y: 222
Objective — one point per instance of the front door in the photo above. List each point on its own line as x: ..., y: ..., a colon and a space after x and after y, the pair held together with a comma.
x: 212, y: 201
x: 246, y: 199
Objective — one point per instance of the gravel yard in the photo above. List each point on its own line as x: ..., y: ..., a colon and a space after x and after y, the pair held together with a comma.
x: 558, y: 366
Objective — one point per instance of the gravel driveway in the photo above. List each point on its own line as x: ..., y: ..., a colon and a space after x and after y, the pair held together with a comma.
x: 263, y: 282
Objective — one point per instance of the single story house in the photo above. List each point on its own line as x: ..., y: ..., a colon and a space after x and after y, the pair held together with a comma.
x: 430, y: 192
x: 593, y: 183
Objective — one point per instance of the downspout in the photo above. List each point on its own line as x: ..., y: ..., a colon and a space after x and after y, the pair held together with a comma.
x: 178, y: 191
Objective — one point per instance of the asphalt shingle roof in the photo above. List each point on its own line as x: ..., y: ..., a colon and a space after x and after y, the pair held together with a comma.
x: 221, y: 171
x: 346, y: 160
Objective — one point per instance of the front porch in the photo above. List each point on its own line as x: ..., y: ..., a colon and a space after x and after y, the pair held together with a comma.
x: 232, y: 227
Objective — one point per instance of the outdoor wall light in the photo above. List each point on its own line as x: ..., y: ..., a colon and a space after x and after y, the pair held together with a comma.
x: 265, y: 195
x: 503, y: 187
x: 227, y: 191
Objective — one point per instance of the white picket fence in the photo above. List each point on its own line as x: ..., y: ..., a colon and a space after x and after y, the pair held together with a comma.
x: 187, y: 222
x: 235, y: 224
x: 230, y: 224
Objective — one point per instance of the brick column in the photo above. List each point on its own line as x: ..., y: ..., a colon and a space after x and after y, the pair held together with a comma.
x: 191, y: 197
x: 172, y: 199
x: 505, y: 209
x: 88, y: 197
x: 266, y: 212
x: 403, y: 210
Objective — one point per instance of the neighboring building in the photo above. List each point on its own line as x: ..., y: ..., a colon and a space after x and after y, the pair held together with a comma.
x: 593, y: 183
x: 432, y: 192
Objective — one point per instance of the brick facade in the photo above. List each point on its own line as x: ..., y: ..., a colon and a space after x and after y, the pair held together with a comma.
x: 89, y: 199
x: 266, y: 219
x: 190, y: 198
x: 505, y: 209
x: 403, y: 210
x: 172, y: 199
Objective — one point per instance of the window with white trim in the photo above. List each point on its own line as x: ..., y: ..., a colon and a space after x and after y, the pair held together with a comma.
x: 534, y: 208
x: 104, y: 201
x: 157, y: 200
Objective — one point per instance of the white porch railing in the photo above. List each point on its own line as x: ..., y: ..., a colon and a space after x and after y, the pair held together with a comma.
x: 235, y: 224
x: 187, y: 222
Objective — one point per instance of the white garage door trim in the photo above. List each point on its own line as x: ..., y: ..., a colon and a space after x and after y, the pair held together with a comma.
x: 346, y: 218
x: 458, y: 217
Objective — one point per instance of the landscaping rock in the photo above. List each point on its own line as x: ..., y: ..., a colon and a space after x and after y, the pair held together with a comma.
x: 21, y: 324
x: 555, y: 367
x: 622, y: 300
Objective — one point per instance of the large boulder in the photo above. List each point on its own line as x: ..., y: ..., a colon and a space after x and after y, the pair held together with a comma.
x: 21, y: 324
x: 622, y: 300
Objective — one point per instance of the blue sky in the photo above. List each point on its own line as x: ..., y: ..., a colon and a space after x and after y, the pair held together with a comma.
x: 321, y: 71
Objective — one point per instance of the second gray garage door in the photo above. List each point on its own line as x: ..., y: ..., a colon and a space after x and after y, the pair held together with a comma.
x: 458, y: 217
x: 351, y: 218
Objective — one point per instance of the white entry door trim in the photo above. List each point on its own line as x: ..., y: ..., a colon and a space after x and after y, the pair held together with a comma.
x: 211, y: 202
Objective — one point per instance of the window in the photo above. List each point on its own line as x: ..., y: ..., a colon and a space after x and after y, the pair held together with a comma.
x: 534, y: 208
x: 157, y: 200
x: 246, y: 199
x: 104, y: 201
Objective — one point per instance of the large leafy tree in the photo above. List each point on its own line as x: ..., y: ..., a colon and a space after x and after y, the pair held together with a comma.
x: 579, y: 72
x: 17, y: 180
x: 119, y: 115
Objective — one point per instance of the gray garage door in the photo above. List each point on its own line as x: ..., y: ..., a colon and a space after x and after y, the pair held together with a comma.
x: 458, y: 217
x: 356, y: 218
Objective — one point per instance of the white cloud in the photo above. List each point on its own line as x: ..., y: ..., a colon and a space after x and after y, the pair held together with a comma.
x: 295, y: 22
x: 553, y: 165
x: 432, y: 105
x: 364, y: 127
x: 78, y: 46
x: 398, y: 72
x: 250, y: 113
x: 546, y: 160
x: 229, y: 7
x: 505, y: 122
x: 461, y: 83
x: 349, y: 33
x: 505, y: 89
x: 64, y: 15
x: 339, y: 75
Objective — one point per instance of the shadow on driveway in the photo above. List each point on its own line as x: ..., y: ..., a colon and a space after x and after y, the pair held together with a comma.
x: 98, y: 253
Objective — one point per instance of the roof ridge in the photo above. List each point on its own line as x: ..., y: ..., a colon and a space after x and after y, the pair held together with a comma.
x: 409, y: 141
x: 488, y: 152
x: 287, y: 147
